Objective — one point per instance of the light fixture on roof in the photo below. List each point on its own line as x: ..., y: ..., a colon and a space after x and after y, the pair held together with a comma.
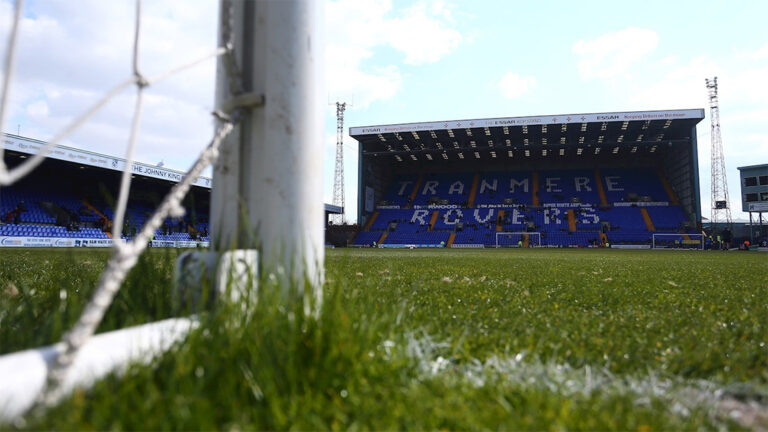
x: 397, y: 135
x: 581, y: 140
x: 455, y: 144
x: 621, y: 138
x: 493, y: 154
x: 624, y: 125
x: 450, y: 133
x: 667, y: 123
x: 468, y: 131
x: 490, y: 143
x: 544, y: 141
x: 405, y: 146
x: 600, y: 139
x: 653, y: 149
x: 438, y: 145
x: 505, y: 129
x: 527, y: 152
x: 544, y: 129
x: 634, y: 149
x: 381, y: 137
x: 413, y: 156
x: 509, y: 153
x: 477, y: 155
x: 445, y: 156
x: 603, y: 126
x: 390, y: 148
x: 659, y: 137
x: 579, y: 151
x: 525, y: 141
x: 563, y: 127
x: 543, y: 152
x: 415, y: 135
x: 646, y: 124
x: 639, y: 138
x: 399, y: 159
x: 562, y: 140
x: 461, y: 155
x: 597, y: 150
x: 487, y: 131
x: 433, y: 134
x: 615, y: 150
x: 562, y: 152
x: 583, y: 127
x: 508, y: 142
x: 472, y: 144
x: 429, y: 156
x: 525, y: 129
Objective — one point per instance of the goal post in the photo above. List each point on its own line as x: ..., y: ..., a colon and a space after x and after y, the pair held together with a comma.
x: 677, y: 241
x: 514, y: 239
x: 265, y: 193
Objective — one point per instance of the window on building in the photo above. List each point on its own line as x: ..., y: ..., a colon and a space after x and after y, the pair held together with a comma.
x: 750, y: 181
x: 763, y: 180
x: 763, y: 196
x: 751, y: 197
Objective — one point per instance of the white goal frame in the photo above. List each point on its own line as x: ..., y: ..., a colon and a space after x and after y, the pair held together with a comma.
x: 520, y: 233
x: 655, y: 235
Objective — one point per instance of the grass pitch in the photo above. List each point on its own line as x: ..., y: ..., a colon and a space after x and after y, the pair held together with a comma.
x: 426, y: 339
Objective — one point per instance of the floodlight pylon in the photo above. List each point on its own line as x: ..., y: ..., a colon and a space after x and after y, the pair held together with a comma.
x: 338, y: 173
x: 721, y: 206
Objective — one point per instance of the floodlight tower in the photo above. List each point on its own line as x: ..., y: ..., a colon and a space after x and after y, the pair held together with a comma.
x: 721, y: 207
x: 338, y: 173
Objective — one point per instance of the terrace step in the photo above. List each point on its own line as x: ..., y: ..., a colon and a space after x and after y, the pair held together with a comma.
x: 571, y: 221
x: 473, y: 191
x: 371, y: 220
x: 415, y: 190
x: 668, y: 188
x: 647, y: 219
x: 500, y: 221
x: 432, y: 220
x: 600, y: 189
x: 96, y: 211
x: 382, y: 238
x: 451, y: 238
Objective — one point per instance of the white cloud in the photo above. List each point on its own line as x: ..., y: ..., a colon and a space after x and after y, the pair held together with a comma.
x: 613, y: 54
x: 37, y: 109
x: 68, y: 57
x: 513, y: 85
x: 422, y: 33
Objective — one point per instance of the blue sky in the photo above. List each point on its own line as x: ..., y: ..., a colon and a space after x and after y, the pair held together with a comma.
x: 408, y: 61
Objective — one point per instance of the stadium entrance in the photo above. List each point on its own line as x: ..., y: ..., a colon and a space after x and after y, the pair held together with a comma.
x: 581, y: 180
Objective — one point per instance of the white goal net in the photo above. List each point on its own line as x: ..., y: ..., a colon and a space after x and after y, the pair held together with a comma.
x: 677, y: 241
x: 249, y: 89
x: 518, y: 239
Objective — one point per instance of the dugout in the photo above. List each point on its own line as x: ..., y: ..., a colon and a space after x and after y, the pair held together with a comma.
x: 661, y: 140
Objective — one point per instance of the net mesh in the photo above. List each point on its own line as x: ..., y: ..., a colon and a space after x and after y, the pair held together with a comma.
x: 514, y: 239
x: 124, y: 254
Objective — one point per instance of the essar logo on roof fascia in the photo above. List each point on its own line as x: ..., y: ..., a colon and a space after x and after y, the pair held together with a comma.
x: 608, y: 117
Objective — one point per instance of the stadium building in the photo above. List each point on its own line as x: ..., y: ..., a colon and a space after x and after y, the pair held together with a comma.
x: 69, y: 200
x: 628, y: 179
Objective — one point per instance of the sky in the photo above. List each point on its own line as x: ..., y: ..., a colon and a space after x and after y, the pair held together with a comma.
x: 406, y: 61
